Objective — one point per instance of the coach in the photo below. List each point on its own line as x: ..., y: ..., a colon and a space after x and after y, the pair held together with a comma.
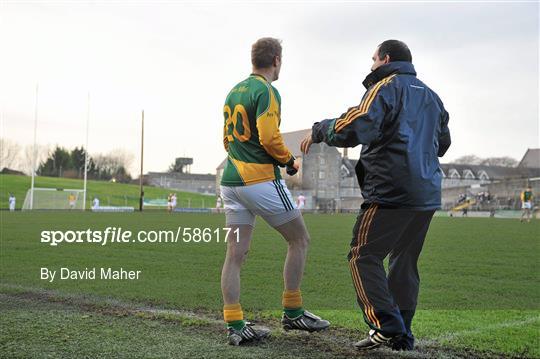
x: 403, y: 127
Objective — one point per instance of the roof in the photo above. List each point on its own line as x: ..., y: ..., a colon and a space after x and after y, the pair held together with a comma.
x: 292, y: 141
x: 492, y: 172
x: 531, y: 158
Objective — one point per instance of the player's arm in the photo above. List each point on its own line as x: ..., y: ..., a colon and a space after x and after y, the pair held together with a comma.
x: 268, y: 128
x: 361, y: 124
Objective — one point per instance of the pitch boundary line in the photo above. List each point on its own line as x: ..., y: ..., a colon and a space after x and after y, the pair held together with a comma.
x: 335, y: 340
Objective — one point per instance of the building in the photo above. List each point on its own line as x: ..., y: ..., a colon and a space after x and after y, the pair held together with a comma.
x: 460, y: 175
x: 531, y: 159
x: 179, y: 178
x: 502, y: 184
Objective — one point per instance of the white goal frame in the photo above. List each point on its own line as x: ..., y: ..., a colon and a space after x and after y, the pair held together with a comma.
x: 53, y: 198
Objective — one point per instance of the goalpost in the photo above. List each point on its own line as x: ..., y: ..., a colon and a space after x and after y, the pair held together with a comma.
x: 54, y: 198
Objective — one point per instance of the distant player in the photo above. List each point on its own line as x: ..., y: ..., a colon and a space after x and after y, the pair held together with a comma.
x: 526, y: 204
x: 219, y: 204
x: 173, y: 202
x: 95, y: 203
x: 251, y: 185
x: 300, y: 201
x: 11, y: 202
x: 169, y: 203
x: 72, y: 200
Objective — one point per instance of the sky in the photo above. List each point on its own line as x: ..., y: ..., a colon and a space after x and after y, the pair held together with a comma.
x: 178, y: 61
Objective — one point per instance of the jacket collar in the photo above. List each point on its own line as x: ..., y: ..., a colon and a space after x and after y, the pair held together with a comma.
x: 397, y: 67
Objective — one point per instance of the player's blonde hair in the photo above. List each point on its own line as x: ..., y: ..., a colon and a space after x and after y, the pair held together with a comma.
x: 263, y: 52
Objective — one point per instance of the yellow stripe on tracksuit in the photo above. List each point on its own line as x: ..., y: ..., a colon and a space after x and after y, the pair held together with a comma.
x: 363, y: 108
x: 357, y: 280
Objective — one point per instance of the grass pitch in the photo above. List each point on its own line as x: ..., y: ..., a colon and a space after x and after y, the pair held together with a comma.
x: 479, y: 292
x: 109, y: 193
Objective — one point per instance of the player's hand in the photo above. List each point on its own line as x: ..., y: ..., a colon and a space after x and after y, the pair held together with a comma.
x: 291, y: 170
x: 306, y: 144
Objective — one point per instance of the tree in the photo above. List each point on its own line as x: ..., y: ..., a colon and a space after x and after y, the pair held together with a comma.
x: 77, y: 158
x: 58, y: 161
x: 9, y: 153
x: 490, y: 161
x: 468, y: 160
x: 113, y: 165
x: 27, y: 157
x: 500, y: 161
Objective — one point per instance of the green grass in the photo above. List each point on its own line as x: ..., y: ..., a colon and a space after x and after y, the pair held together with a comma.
x: 479, y: 276
x: 53, y: 331
x: 109, y: 193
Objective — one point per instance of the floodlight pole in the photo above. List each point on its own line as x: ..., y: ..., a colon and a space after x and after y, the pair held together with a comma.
x: 35, y: 149
x: 141, y: 199
x: 86, y: 151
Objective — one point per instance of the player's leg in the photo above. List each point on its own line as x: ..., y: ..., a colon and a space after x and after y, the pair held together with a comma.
x: 273, y: 201
x: 297, y: 237
x: 237, y: 250
x: 403, y: 277
x: 294, y: 314
x: 238, y: 217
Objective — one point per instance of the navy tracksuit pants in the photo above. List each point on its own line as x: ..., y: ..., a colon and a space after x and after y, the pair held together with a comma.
x: 388, y: 301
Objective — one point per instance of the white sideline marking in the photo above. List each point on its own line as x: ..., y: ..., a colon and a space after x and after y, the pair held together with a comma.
x: 138, y: 308
x: 512, y: 323
x: 113, y: 303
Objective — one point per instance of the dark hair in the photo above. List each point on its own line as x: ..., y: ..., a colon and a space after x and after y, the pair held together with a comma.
x: 397, y: 50
x: 264, y: 51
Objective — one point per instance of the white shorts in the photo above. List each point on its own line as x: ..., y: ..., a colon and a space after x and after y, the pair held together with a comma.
x: 526, y: 205
x: 301, y: 205
x: 271, y: 200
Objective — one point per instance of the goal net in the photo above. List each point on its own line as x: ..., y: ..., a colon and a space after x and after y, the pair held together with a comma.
x: 54, y: 198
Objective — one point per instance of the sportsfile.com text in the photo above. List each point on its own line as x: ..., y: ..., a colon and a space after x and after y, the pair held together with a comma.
x: 120, y: 235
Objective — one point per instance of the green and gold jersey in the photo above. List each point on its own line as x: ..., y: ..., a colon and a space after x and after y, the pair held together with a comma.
x: 526, y: 196
x: 251, y: 133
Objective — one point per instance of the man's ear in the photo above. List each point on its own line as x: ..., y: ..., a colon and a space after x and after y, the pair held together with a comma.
x: 386, y: 58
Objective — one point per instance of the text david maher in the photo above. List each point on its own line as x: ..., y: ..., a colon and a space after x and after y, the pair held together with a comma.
x: 89, y: 274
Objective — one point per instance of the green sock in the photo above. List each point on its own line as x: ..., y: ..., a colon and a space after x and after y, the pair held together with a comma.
x: 236, y: 324
x: 293, y: 313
